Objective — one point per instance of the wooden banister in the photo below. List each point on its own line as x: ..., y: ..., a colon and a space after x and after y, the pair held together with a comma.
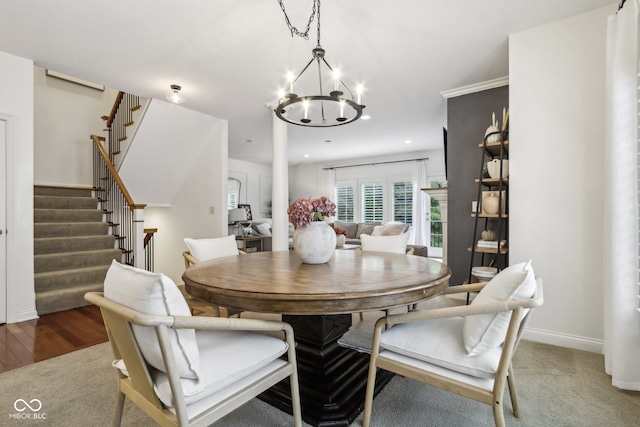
x: 114, y: 109
x: 114, y: 172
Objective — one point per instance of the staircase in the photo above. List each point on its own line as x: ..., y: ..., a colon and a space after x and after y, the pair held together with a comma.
x: 72, y: 247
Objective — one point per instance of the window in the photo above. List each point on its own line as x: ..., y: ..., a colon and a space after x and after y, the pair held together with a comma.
x: 403, y: 202
x: 372, y: 202
x: 345, y: 203
x: 232, y: 201
x: 436, y: 225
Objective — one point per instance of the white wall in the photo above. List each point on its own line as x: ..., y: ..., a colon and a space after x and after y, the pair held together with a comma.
x: 189, y: 215
x: 16, y: 107
x: 256, y: 187
x: 66, y: 114
x: 556, y: 86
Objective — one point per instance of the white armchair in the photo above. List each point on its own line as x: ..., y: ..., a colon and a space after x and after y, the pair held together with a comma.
x: 158, y: 347
x: 467, y: 349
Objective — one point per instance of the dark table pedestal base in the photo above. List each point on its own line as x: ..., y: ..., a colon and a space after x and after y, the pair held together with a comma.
x: 332, y: 379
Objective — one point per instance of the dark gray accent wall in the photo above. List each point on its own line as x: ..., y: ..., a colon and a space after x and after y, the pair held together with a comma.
x: 468, y: 117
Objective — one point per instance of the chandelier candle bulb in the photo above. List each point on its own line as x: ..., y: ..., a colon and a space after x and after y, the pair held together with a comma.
x: 305, y: 105
x: 290, y: 78
x: 359, y: 91
x: 336, y: 75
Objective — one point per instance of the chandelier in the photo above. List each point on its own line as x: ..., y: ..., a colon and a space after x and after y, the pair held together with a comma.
x: 322, y: 109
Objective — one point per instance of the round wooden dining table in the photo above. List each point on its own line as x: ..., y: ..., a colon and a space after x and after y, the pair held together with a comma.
x: 318, y: 301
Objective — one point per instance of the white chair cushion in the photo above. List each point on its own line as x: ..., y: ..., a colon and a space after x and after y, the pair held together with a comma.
x: 439, y: 342
x: 157, y: 295
x: 230, y: 356
x: 206, y: 249
x: 394, y: 244
x: 482, y: 332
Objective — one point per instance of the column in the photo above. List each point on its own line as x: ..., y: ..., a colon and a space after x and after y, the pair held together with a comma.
x: 280, y: 188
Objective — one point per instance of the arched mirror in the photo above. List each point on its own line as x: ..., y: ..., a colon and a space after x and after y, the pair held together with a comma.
x: 233, y: 192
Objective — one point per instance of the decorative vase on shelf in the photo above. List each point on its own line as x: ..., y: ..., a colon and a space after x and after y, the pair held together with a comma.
x: 490, y: 204
x: 314, y: 243
x: 491, y: 133
x: 493, y: 168
x: 340, y: 240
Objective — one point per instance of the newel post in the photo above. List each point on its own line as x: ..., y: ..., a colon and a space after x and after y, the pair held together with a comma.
x: 138, y: 236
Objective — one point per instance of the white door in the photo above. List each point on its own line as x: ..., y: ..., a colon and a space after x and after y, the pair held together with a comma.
x: 3, y: 224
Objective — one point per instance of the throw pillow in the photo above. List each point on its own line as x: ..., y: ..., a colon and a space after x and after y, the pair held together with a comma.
x: 156, y: 295
x: 482, y: 332
x: 365, y: 228
x: 206, y: 249
x: 377, y: 230
x: 393, y: 228
x: 264, y: 229
x: 394, y: 244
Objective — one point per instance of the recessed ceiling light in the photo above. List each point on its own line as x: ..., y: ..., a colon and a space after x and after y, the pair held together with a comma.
x: 365, y: 117
x: 328, y: 141
x: 306, y: 155
x: 408, y: 141
x: 248, y: 140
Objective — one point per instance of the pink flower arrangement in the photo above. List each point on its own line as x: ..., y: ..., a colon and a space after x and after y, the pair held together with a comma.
x: 340, y: 230
x: 303, y: 211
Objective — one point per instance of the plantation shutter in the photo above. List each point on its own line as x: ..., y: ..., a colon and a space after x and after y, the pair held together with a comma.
x: 372, y: 202
x: 403, y: 202
x: 345, y: 203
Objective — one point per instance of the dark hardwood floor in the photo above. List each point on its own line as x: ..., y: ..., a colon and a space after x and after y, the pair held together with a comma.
x: 49, y: 336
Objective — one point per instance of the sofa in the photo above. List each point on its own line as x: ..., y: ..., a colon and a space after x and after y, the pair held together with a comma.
x: 392, y: 228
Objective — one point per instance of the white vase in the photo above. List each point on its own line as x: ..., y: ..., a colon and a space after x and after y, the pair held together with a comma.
x: 493, y: 167
x: 314, y: 243
x: 340, y: 240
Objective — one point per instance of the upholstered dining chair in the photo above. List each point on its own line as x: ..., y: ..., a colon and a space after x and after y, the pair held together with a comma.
x: 205, y: 250
x: 466, y: 349
x: 183, y: 370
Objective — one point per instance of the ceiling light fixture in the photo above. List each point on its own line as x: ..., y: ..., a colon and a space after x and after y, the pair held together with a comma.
x: 321, y: 110
x: 174, y: 95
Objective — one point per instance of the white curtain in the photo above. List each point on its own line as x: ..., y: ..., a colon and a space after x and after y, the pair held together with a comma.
x: 621, y: 317
x: 420, y: 235
x: 330, y: 184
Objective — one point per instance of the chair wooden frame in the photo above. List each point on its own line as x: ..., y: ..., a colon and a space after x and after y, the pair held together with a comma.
x: 195, y: 303
x: 504, y: 374
x: 138, y: 386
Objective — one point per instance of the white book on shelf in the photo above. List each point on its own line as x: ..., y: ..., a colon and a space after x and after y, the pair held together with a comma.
x: 491, y: 243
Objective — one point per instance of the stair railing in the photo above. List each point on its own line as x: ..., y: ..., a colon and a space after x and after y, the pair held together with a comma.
x: 125, y: 218
x: 120, y: 118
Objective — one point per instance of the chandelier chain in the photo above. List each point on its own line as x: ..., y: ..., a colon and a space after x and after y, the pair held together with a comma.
x: 294, y: 30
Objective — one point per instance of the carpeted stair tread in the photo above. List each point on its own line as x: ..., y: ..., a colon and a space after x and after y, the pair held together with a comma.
x: 64, y: 202
x: 72, y: 260
x: 51, y: 280
x: 73, y: 246
x: 67, y: 215
x: 50, y: 245
x: 62, y: 229
x: 44, y: 190
x: 65, y: 299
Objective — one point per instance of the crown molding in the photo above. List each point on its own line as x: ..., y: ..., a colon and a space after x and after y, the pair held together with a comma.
x: 476, y: 87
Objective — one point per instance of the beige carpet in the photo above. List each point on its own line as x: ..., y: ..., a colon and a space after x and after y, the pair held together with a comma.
x: 557, y: 387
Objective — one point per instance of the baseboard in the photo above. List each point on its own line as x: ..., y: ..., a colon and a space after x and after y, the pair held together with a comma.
x: 563, y: 340
x: 27, y: 315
